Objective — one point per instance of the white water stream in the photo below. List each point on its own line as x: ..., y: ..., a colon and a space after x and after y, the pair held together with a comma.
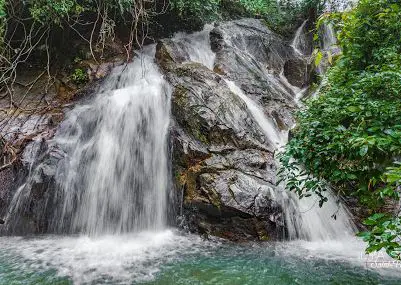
x: 276, y: 137
x: 299, y: 40
x: 115, y: 174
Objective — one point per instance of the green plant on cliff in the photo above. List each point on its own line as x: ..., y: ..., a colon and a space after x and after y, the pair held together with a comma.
x: 208, y: 10
x: 281, y: 16
x: 350, y: 136
x: 45, y: 11
x: 44, y: 30
x: 79, y: 76
x: 385, y: 229
x: 3, y: 16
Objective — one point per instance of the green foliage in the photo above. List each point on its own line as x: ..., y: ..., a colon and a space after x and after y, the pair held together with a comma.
x: 40, y: 29
x: 351, y: 133
x: 384, y: 234
x: 204, y: 10
x: 79, y: 76
x: 3, y: 16
x: 55, y: 11
x: 51, y: 11
x: 281, y: 16
x: 2, y: 8
x: 385, y: 229
x: 259, y: 6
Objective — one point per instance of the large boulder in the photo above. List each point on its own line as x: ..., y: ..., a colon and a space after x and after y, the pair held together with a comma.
x: 224, y: 164
x: 250, y: 54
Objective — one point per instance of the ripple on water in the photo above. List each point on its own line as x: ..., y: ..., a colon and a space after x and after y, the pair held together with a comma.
x: 169, y: 257
x: 87, y: 260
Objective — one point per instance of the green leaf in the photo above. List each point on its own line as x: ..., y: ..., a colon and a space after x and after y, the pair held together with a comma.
x: 318, y: 58
x: 353, y: 109
x: 363, y: 150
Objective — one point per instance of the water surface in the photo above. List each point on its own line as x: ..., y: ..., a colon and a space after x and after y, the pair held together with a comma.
x: 170, y: 257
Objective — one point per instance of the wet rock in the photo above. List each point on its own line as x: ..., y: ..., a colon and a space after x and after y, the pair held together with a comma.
x: 203, y: 103
x: 298, y: 72
x: 7, y: 179
x: 98, y: 71
x: 248, y: 53
x: 222, y: 160
x: 36, y: 182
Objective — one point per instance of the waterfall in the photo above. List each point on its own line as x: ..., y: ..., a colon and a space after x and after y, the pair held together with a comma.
x: 114, y: 175
x: 339, y: 5
x: 304, y: 218
x: 298, y: 43
x: 328, y: 35
x: 109, y: 200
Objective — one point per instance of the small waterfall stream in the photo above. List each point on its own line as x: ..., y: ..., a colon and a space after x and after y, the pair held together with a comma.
x: 276, y: 137
x: 299, y: 41
x: 304, y: 218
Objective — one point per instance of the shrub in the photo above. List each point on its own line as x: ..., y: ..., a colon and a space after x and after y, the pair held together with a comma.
x: 79, y: 76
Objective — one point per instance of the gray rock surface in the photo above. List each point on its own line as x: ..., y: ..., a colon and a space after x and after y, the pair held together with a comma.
x: 223, y: 161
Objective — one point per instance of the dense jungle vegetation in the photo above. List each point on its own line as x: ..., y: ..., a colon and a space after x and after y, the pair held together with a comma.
x: 350, y: 135
x: 45, y: 29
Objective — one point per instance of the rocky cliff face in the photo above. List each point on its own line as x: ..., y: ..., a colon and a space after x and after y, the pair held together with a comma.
x: 223, y: 161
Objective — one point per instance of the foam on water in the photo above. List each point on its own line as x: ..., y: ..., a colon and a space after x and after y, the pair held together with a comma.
x: 169, y: 257
x: 83, y: 259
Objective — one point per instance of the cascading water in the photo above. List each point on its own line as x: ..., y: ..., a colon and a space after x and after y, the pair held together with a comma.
x: 114, y: 176
x: 268, y: 127
x: 299, y: 40
x: 304, y: 218
x: 197, y: 46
